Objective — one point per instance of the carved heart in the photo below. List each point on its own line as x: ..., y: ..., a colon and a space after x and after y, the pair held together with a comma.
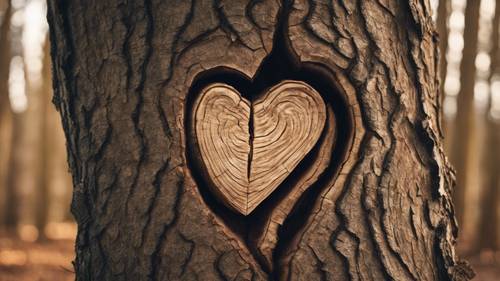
x: 249, y: 149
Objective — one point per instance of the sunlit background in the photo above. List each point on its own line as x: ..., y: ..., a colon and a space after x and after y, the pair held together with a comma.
x: 36, y: 228
x: 471, y: 109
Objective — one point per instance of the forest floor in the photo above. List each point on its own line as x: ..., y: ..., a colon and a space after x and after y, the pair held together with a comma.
x: 22, y: 260
x: 485, y: 270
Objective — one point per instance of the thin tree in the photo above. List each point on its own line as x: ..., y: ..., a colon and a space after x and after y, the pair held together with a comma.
x: 25, y: 164
x: 464, y: 135
x: 442, y: 28
x: 46, y: 147
x: 6, y: 194
x: 488, y: 221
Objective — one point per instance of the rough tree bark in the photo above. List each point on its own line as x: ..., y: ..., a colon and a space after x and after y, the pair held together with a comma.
x: 371, y: 201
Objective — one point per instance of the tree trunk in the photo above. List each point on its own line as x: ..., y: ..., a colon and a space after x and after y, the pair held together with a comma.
x: 45, y: 152
x: 488, y: 220
x: 26, y: 162
x: 442, y: 29
x: 370, y: 200
x: 6, y: 202
x: 56, y: 177
x: 464, y: 137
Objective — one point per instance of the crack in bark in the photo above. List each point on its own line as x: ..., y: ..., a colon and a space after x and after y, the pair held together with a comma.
x: 250, y: 151
x: 319, y: 265
x: 226, y: 26
x: 155, y: 256
x: 192, y: 245
x: 157, y: 184
x: 139, y: 90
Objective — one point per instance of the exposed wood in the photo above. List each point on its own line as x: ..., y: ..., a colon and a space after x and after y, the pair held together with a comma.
x: 250, y: 148
x: 222, y: 130
x: 266, y: 241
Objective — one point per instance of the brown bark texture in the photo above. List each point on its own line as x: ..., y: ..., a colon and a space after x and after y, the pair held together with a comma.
x: 378, y: 207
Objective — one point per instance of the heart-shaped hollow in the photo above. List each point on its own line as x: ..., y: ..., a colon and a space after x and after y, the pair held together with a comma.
x: 249, y: 148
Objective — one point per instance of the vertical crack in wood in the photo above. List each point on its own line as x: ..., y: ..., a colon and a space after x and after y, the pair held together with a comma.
x: 250, y: 151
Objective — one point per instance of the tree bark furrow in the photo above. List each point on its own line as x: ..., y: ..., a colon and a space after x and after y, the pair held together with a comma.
x: 156, y: 259
x: 396, y: 80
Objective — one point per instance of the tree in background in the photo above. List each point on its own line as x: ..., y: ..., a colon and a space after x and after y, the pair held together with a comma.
x: 34, y: 181
x: 442, y: 29
x: 7, y: 199
x: 488, y: 221
x: 464, y: 133
x: 54, y: 188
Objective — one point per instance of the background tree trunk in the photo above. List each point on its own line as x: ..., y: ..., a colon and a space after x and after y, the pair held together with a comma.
x: 488, y: 221
x: 465, y: 137
x: 45, y: 153
x: 6, y: 198
x: 26, y: 162
x: 125, y: 78
x: 442, y: 29
x: 56, y: 176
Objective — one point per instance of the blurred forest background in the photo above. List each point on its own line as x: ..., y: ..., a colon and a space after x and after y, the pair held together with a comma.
x: 36, y: 228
